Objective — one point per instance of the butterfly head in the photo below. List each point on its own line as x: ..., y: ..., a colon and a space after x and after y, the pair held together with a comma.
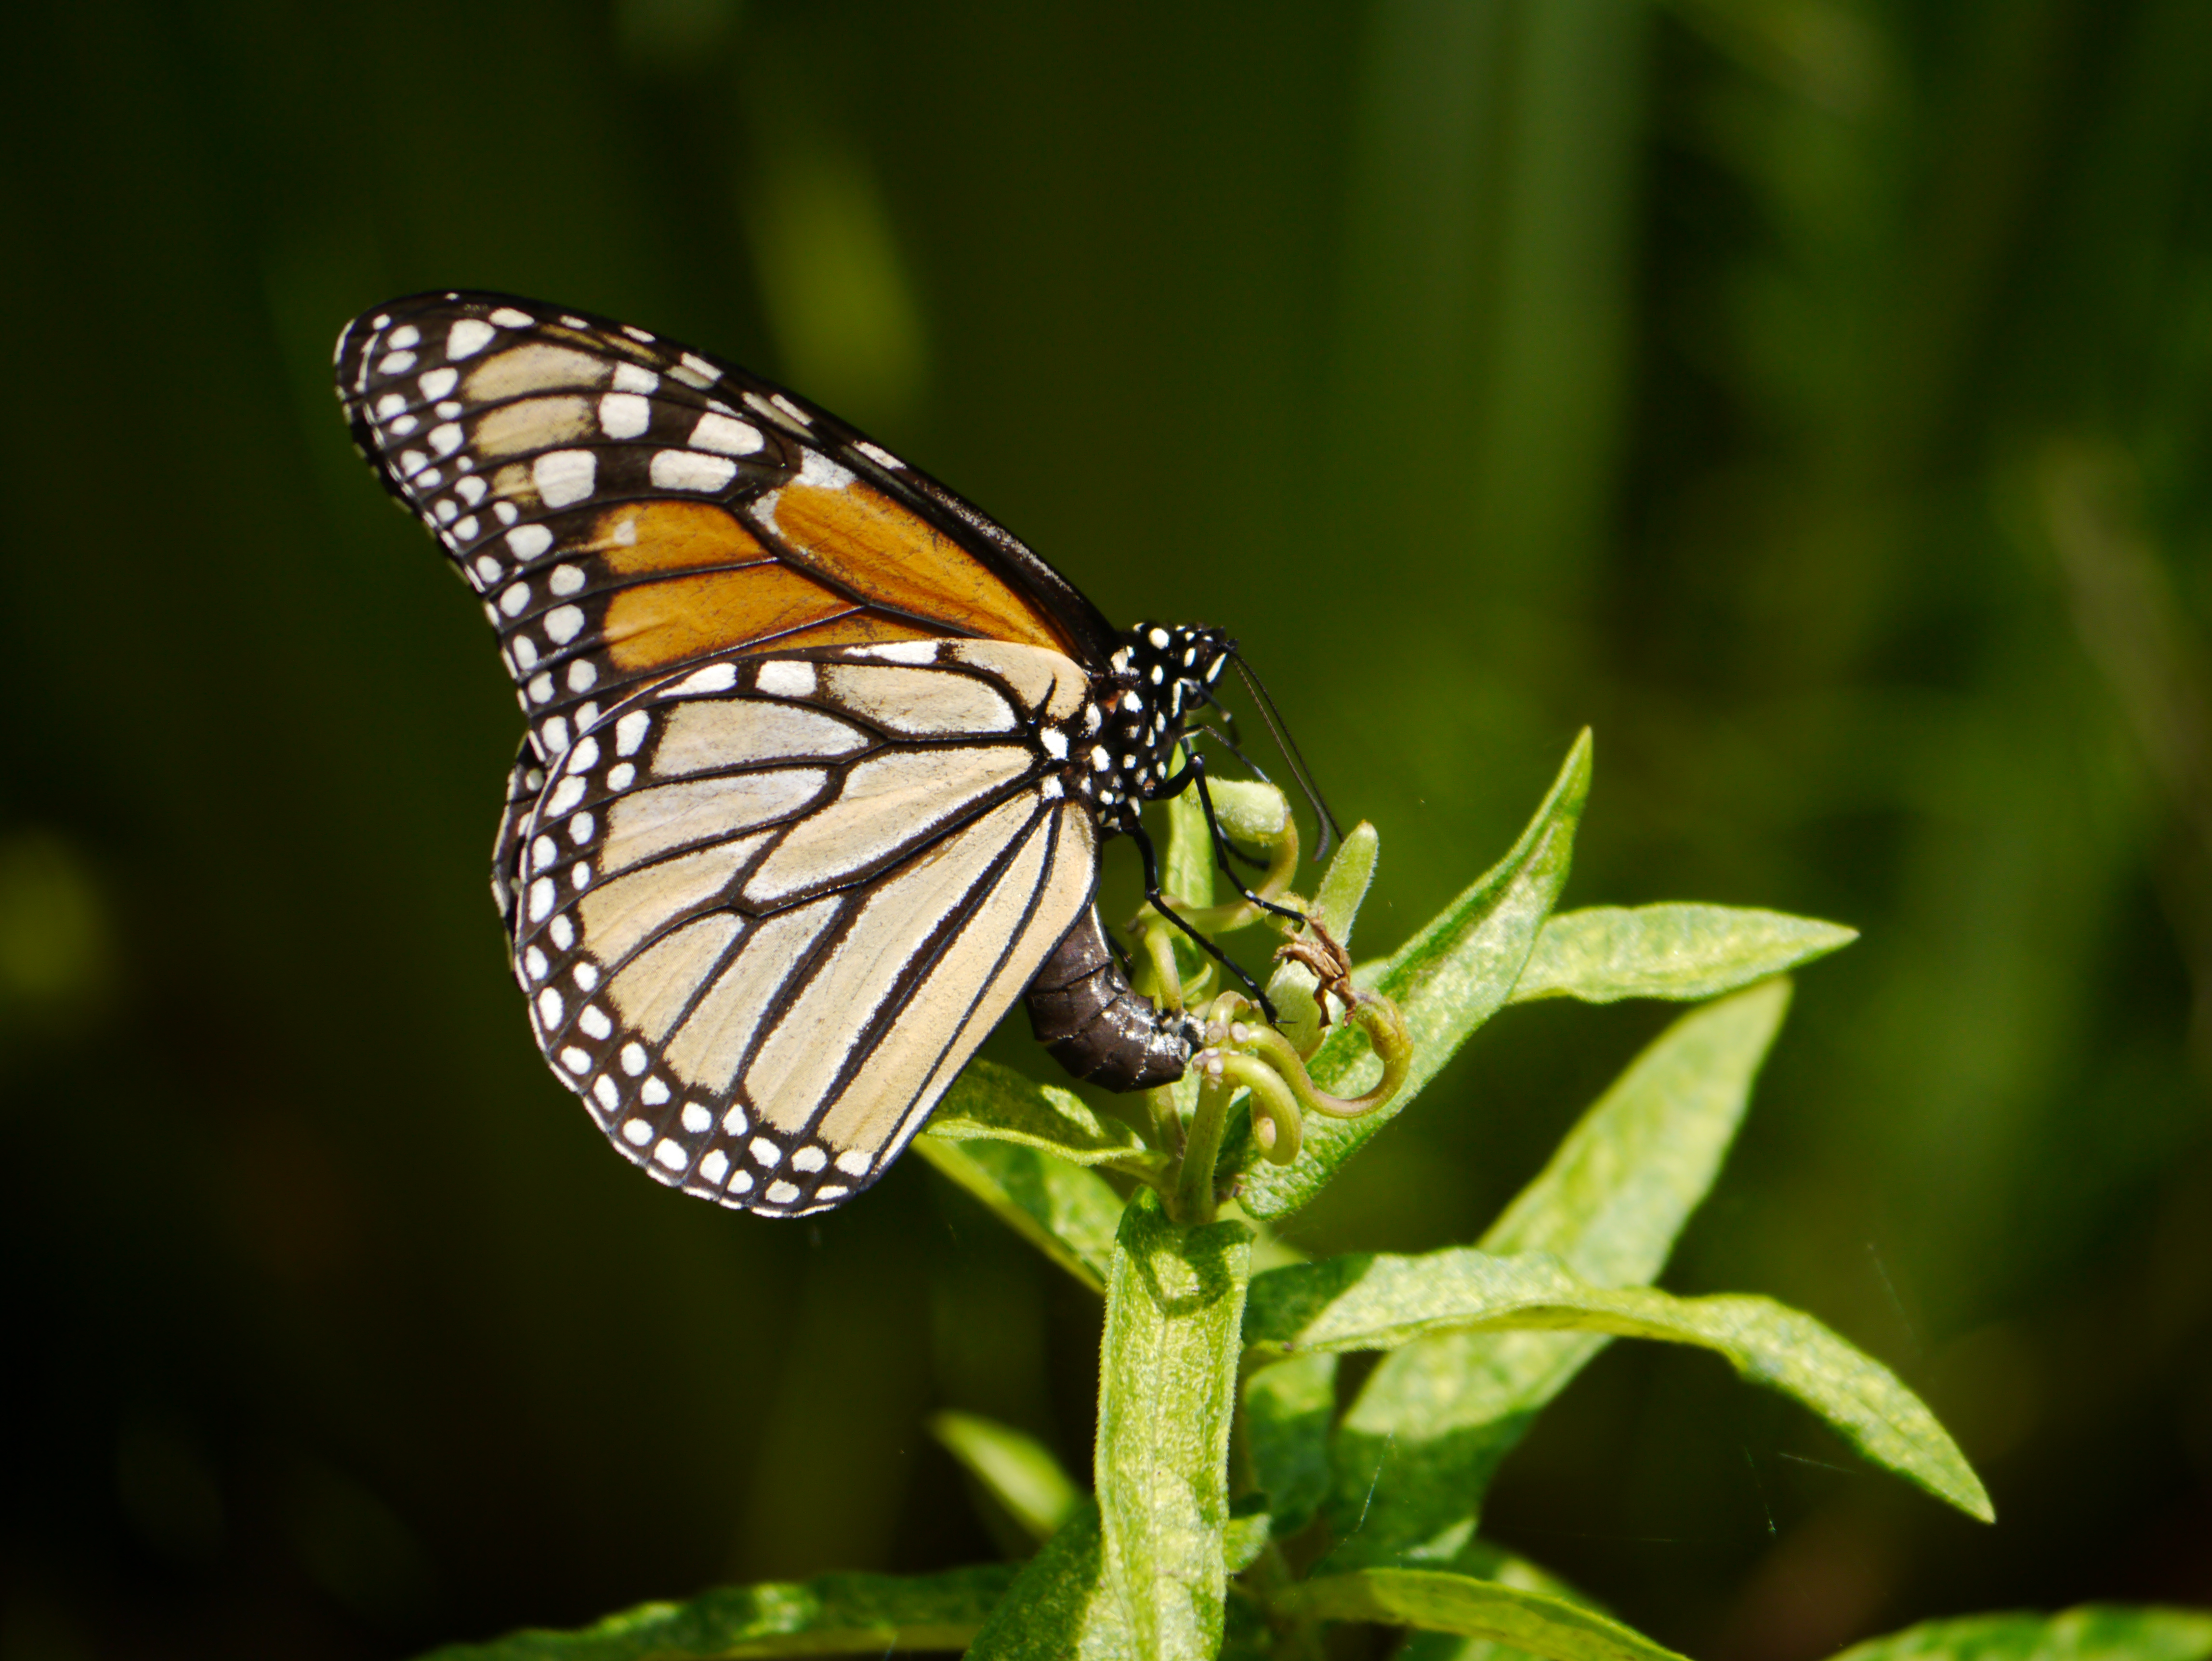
x: 1162, y: 675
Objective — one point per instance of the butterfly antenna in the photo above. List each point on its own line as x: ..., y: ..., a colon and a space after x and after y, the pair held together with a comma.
x: 1328, y: 826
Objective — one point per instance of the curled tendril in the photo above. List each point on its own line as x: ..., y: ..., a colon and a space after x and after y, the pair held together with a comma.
x: 1252, y: 1056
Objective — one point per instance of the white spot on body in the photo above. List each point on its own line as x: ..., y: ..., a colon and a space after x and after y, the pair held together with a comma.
x: 881, y: 457
x: 715, y: 1167
x: 630, y: 731
x: 582, y: 676
x: 652, y: 1093
x: 550, y: 1006
x: 436, y: 384
x: 405, y: 335
x: 529, y: 541
x: 565, y: 579
x: 783, y: 1193
x: 396, y: 363
x: 637, y: 1133
x: 608, y: 1091
x: 593, y: 1020
x: 515, y: 600
x: 734, y: 1122
x: 507, y: 317
x: 766, y: 1152
x: 808, y: 1159
x: 635, y: 378
x: 696, y: 1118
x: 855, y: 1162
x: 563, y: 623
x: 634, y: 1059
x: 621, y: 775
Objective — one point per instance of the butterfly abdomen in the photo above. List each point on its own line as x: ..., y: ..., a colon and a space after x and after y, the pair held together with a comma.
x: 1083, y: 1010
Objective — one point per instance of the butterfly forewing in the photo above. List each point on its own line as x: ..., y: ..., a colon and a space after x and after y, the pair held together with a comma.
x: 766, y: 910
x: 626, y: 508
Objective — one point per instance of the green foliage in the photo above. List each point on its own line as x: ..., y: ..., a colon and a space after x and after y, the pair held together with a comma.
x: 2091, y: 1632
x: 1433, y: 1601
x: 835, y: 1615
x: 1237, y: 1511
x: 1018, y: 1472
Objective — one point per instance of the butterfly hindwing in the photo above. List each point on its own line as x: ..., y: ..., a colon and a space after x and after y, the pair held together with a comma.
x: 767, y: 910
x: 626, y: 508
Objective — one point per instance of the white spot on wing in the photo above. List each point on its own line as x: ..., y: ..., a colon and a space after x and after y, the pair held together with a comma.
x: 725, y: 434
x: 714, y: 678
x: 783, y: 679
x: 822, y: 473
x: 688, y: 469
x: 624, y: 414
x: 564, y: 478
x: 467, y: 337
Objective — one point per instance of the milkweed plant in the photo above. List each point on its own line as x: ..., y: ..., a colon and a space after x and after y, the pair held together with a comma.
x: 1233, y: 1509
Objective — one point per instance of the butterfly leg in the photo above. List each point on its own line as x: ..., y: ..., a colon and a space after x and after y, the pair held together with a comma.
x: 1223, y: 853
x: 1159, y: 899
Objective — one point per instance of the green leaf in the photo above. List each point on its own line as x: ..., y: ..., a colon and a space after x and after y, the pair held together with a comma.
x: 1061, y: 1606
x: 1447, y: 980
x: 995, y: 1102
x: 1435, y: 1600
x: 1288, y: 1409
x: 1167, y: 1385
x: 835, y: 1615
x: 1417, y: 1449
x: 1018, y: 1471
x: 2095, y: 1632
x: 1068, y: 1214
x: 1378, y: 1302
x: 1487, y: 1562
x: 1608, y: 952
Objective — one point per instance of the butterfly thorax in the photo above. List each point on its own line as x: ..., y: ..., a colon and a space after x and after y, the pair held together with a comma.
x: 1138, y: 710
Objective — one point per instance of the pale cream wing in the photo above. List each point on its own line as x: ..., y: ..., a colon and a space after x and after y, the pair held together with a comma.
x: 765, y: 912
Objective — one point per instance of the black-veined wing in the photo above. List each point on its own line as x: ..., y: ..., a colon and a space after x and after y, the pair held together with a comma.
x: 768, y: 909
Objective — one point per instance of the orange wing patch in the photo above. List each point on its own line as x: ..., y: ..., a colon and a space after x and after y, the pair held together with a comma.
x: 682, y: 618
x: 673, y: 536
x: 872, y: 547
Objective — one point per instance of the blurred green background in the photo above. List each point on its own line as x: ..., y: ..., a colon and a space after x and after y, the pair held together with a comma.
x: 1814, y: 396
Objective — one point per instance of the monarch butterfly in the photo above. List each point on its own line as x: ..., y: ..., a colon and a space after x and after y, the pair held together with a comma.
x: 818, y: 757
